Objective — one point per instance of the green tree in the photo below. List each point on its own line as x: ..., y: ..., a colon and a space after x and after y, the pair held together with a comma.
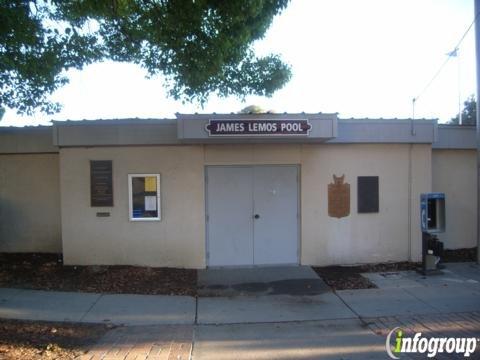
x: 252, y: 109
x: 200, y: 46
x: 469, y: 113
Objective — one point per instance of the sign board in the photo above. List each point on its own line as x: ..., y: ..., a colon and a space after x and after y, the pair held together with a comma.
x: 367, y: 194
x: 300, y: 127
x: 338, y: 197
x: 101, y: 184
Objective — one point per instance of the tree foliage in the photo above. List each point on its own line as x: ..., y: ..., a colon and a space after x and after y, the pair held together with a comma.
x: 200, y: 46
x: 253, y: 109
x: 469, y: 113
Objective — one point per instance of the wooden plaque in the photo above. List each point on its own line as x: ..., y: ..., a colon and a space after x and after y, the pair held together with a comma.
x: 338, y: 197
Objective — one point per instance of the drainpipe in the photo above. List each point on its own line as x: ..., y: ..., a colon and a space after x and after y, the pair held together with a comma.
x: 477, y: 48
x: 410, y: 146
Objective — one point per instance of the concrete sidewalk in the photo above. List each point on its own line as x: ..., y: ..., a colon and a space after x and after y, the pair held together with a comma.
x: 161, y: 310
x: 400, y: 293
x: 117, y: 309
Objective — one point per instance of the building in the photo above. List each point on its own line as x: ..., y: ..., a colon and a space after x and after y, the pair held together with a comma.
x: 233, y: 189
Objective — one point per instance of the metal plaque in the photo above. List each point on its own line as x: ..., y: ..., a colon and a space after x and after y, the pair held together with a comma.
x: 367, y: 194
x: 103, y: 214
x: 258, y: 127
x: 338, y: 197
x: 101, y: 183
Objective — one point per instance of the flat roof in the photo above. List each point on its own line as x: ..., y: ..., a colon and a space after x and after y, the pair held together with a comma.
x: 25, y: 140
x: 172, y: 131
x: 126, y: 121
x: 456, y: 137
x: 164, y: 131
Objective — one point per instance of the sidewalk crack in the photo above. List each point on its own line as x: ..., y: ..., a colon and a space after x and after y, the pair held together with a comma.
x: 91, y: 307
x: 351, y: 309
x: 195, y: 322
x: 422, y: 301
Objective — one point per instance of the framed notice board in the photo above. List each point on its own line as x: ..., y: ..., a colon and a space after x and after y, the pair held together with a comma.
x: 101, y: 183
x: 144, y: 197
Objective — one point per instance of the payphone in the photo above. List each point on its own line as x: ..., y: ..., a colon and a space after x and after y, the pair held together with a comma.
x: 432, y: 213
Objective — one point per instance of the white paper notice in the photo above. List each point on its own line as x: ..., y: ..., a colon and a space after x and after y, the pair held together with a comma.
x: 150, y: 203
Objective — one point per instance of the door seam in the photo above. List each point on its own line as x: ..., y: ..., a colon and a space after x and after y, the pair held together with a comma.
x: 252, y: 171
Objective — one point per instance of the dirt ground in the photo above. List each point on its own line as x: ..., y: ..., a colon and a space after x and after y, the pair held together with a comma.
x: 46, y: 340
x: 47, y: 272
x: 460, y: 255
x: 350, y: 278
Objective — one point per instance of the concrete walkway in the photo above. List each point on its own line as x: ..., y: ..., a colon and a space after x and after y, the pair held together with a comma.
x: 272, y: 280
x: 119, y: 309
x: 402, y: 293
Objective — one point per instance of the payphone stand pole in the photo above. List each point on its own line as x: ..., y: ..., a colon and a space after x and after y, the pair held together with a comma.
x: 432, y: 221
x: 425, y: 270
x: 425, y: 237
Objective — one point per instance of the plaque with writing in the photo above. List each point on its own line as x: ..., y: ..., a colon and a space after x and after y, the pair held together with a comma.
x: 367, y: 190
x: 101, y: 184
x: 338, y: 197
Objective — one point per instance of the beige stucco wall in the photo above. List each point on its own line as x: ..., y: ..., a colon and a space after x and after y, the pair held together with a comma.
x: 421, y: 175
x: 454, y: 173
x: 29, y: 203
x: 389, y: 235
x: 393, y: 234
x: 177, y: 240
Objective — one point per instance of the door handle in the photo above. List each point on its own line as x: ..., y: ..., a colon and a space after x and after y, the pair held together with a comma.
x: 256, y: 216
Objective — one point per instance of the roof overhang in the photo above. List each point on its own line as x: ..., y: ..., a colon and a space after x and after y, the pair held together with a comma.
x: 296, y: 128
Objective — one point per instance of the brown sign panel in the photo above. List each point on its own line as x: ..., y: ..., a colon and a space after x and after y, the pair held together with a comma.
x: 101, y: 183
x: 258, y: 127
x: 338, y: 197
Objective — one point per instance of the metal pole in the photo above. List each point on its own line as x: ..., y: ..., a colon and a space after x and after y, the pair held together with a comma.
x: 413, y: 108
x: 477, y: 48
x: 460, y: 122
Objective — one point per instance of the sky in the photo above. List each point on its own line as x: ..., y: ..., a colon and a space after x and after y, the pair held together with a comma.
x: 359, y: 59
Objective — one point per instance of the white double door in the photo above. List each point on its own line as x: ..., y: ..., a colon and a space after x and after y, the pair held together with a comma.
x: 252, y: 215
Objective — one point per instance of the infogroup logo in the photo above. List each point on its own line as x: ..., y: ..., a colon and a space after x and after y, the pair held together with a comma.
x: 429, y: 346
